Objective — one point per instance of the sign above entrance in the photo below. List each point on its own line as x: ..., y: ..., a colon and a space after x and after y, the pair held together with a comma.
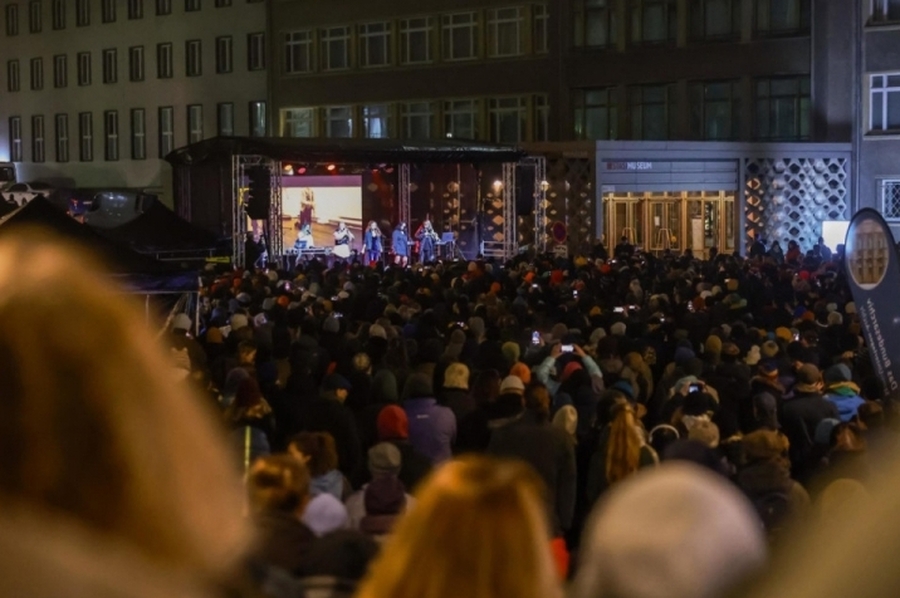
x: 629, y: 166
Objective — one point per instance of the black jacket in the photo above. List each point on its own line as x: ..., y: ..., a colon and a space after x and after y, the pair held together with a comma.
x: 550, y: 453
x: 284, y: 541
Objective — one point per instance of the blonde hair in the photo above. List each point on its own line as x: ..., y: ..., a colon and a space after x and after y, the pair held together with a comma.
x: 623, y: 452
x: 456, y: 376
x: 277, y: 483
x: 479, y: 530
x: 94, y: 428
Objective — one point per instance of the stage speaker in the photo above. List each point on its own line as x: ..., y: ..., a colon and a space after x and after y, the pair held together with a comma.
x: 259, y: 192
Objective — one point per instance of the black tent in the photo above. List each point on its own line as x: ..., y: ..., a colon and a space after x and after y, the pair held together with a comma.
x: 143, y: 272
x: 158, y: 230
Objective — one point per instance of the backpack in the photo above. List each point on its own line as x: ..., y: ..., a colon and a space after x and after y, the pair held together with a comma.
x: 773, y: 508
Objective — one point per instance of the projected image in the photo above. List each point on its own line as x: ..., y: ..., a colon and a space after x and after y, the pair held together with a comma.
x: 313, y: 209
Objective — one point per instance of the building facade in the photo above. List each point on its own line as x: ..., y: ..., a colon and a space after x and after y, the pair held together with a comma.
x: 97, y: 92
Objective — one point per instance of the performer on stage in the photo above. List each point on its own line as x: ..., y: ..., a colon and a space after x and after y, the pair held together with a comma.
x: 428, y: 239
x: 342, y: 239
x: 372, y: 243
x: 307, y: 207
x: 400, y: 245
x: 304, y: 238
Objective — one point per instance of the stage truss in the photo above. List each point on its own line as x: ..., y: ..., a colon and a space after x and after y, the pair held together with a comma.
x: 403, y: 199
x: 272, y: 232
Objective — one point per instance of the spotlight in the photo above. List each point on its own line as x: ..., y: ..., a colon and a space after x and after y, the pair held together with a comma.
x: 288, y: 169
x: 498, y: 185
x: 544, y: 185
x: 301, y: 170
x: 330, y: 167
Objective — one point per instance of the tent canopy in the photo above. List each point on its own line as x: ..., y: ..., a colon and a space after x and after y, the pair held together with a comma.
x: 158, y: 229
x: 39, y: 213
x: 346, y: 151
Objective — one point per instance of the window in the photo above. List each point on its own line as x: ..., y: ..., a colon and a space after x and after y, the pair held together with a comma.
x: 164, y: 61
x: 84, y: 68
x: 83, y: 16
x: 138, y: 134
x: 416, y: 120
x: 13, y: 79
x: 111, y: 135
x: 335, y: 48
x: 889, y: 190
x: 193, y: 58
x: 298, y: 122
x: 540, y: 24
x: 110, y: 66
x: 782, y: 17
x: 136, y: 63
x: 135, y: 9
x: 654, y: 21
x: 596, y: 23
x: 60, y: 71
x: 191, y: 5
x: 884, y: 102
x: 338, y: 121
x: 223, y: 55
x: 596, y: 113
x: 59, y: 16
x: 37, y: 138
x: 377, y: 121
x: 163, y: 7
x: 508, y: 117
x: 298, y: 52
x: 225, y: 119
x: 416, y: 40
x: 15, y: 138
x: 715, y: 111
x: 34, y: 16
x: 459, y: 39
x: 12, y: 19
x: 256, y: 51
x: 166, y: 131
x: 782, y: 109
x: 375, y: 44
x: 62, y: 137
x: 223, y: 3
x: 885, y: 11
x: 37, y: 74
x: 651, y: 111
x: 715, y: 19
x: 86, y: 137
x: 541, y: 118
x: 504, y: 32
x: 108, y: 11
x: 461, y: 119
x: 195, y: 123
x: 257, y: 119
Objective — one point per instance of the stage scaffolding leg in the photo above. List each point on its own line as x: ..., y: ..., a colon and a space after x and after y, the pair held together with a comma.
x: 238, y: 223
x: 273, y: 233
x: 540, y: 203
x: 403, y: 197
x: 510, y: 243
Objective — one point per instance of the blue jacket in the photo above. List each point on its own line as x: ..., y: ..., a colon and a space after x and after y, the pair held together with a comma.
x: 399, y: 243
x: 847, y: 403
x: 372, y: 242
x: 432, y: 428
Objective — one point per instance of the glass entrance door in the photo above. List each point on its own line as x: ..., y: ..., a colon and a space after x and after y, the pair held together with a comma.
x: 696, y: 220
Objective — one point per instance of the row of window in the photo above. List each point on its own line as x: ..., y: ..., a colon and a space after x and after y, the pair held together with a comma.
x: 109, y: 58
x: 108, y: 9
x: 137, y: 120
x: 494, y: 33
x: 597, y: 23
x: 503, y: 120
x: 781, y: 111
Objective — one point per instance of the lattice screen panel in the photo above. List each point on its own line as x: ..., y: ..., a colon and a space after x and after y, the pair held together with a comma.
x: 788, y: 198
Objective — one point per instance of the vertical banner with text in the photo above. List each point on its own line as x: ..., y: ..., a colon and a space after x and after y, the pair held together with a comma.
x: 873, y: 272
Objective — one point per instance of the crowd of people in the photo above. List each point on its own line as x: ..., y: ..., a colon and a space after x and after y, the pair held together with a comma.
x: 625, y: 425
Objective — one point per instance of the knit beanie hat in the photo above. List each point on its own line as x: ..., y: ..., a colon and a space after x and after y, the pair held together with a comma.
x: 392, y: 423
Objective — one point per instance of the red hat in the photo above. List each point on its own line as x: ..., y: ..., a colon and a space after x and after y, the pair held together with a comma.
x: 392, y: 424
x: 521, y: 371
x: 571, y: 368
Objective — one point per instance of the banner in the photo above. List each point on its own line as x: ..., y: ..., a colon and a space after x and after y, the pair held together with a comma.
x: 873, y: 272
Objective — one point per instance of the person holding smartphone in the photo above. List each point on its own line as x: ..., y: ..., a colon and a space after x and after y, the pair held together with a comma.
x: 578, y: 379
